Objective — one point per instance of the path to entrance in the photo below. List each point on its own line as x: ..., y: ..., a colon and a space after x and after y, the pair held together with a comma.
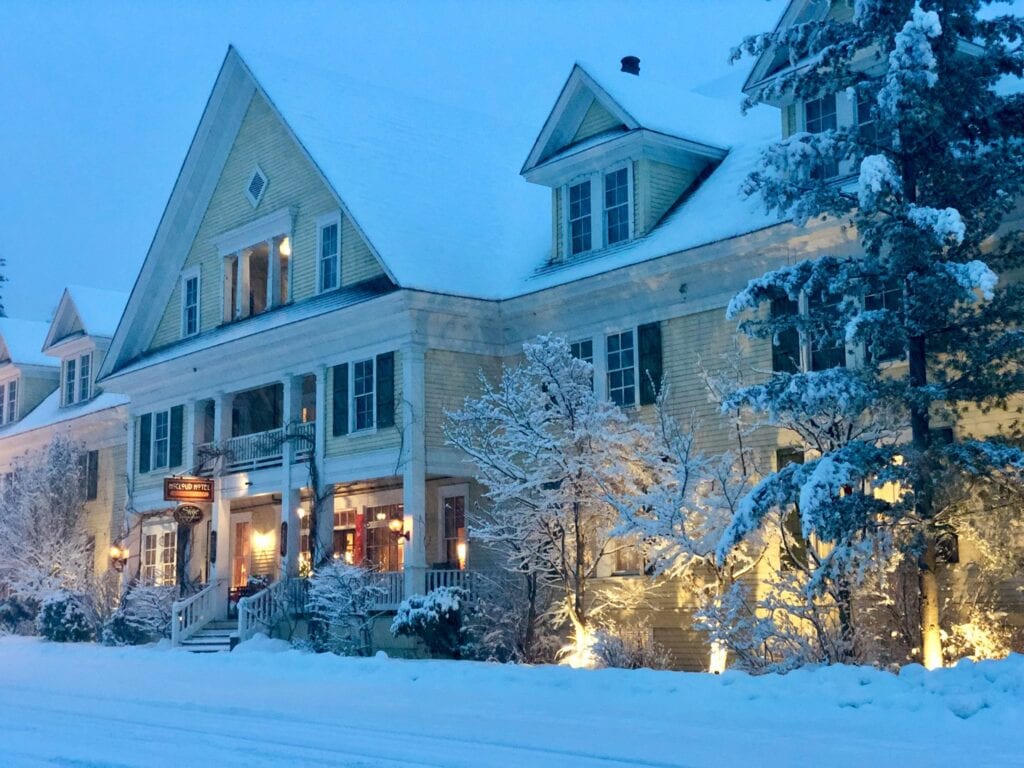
x: 85, y: 706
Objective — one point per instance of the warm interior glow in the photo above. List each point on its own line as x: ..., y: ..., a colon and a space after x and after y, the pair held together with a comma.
x: 460, y: 553
x: 262, y: 541
x: 719, y: 656
x: 301, y: 512
x: 285, y: 249
x: 395, y: 525
x: 381, y: 516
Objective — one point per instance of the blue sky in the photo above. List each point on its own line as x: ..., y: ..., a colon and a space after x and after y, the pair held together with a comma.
x: 100, y: 101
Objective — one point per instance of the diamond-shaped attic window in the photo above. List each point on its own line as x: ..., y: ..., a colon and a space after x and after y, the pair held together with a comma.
x: 257, y: 185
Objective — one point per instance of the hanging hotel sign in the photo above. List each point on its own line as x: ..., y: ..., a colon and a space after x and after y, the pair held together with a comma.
x: 188, y: 514
x: 188, y: 489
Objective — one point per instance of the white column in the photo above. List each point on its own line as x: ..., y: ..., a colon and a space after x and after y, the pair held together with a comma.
x: 220, y: 520
x: 273, y: 274
x: 414, y: 469
x: 325, y: 521
x: 126, y: 523
x: 289, y: 496
x: 242, y: 284
x: 188, y: 440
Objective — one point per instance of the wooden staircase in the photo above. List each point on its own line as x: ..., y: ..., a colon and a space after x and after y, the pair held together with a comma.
x: 214, y: 637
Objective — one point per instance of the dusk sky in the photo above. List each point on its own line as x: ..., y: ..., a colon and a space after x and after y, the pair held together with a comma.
x: 100, y: 104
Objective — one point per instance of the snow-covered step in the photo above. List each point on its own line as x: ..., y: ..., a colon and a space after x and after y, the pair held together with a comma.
x: 213, y: 638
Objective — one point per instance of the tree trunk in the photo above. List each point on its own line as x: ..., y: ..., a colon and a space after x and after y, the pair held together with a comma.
x: 928, y: 586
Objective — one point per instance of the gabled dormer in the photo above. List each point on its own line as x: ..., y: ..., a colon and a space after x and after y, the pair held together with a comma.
x: 616, y: 160
x: 78, y: 337
x: 27, y: 376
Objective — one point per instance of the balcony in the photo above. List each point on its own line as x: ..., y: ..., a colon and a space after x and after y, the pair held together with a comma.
x: 260, y: 450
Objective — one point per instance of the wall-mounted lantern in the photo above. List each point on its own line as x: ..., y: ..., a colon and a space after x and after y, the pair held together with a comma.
x: 397, y: 526
x: 118, y: 557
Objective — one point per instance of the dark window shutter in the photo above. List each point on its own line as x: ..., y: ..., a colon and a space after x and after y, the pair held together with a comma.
x: 786, y: 344
x: 92, y: 475
x: 339, y: 410
x: 177, y: 423
x: 649, y: 340
x: 386, y: 390
x: 145, y: 440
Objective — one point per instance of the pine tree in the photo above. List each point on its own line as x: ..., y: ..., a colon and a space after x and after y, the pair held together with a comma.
x: 929, y: 178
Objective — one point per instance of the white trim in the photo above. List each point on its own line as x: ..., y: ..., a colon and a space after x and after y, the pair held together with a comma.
x: 322, y: 222
x: 277, y: 223
x: 191, y: 273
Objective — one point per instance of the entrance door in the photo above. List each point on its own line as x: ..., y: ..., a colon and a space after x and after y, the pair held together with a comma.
x: 241, y: 557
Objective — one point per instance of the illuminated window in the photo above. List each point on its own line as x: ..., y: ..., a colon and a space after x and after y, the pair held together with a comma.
x: 455, y: 530
x: 383, y: 552
x: 159, y: 553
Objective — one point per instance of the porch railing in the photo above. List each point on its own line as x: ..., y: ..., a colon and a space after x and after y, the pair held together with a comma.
x: 260, y: 612
x: 259, y: 450
x: 450, y: 577
x: 193, y: 613
x: 393, y: 583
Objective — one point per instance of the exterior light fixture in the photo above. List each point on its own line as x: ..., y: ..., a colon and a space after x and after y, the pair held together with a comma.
x: 118, y: 557
x: 396, y: 526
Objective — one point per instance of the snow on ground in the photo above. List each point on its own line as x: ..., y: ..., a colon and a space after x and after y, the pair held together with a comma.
x: 262, y: 705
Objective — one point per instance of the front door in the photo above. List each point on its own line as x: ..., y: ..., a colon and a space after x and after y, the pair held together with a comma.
x: 241, y: 553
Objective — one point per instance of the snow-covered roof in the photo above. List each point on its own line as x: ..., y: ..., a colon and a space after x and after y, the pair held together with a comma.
x: 99, y: 309
x: 23, y: 341
x: 50, y: 412
x: 436, y: 188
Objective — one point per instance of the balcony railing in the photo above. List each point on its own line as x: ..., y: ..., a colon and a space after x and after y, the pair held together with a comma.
x: 259, y: 450
x: 450, y: 578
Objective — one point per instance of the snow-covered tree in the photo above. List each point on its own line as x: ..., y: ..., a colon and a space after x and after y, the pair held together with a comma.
x: 928, y: 178
x: 342, y: 599
x: 44, y: 546
x: 547, y: 448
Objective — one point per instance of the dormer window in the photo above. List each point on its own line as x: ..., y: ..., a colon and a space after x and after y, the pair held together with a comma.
x: 616, y: 206
x: 579, y: 218
x: 76, y: 379
x: 820, y: 116
x: 9, y: 402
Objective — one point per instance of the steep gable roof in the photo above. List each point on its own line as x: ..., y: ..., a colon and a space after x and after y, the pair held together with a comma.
x: 85, y: 310
x: 21, y: 342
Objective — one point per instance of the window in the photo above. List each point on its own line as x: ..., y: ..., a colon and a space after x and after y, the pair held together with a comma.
x: 579, y: 218
x: 84, y: 377
x: 90, y: 474
x: 383, y: 552
x: 891, y: 348
x: 622, y: 368
x: 70, y: 380
x: 628, y: 558
x: 455, y: 531
x: 865, y: 118
x: 362, y: 395
x: 329, y: 250
x: 12, y: 401
x: 159, y: 554
x: 793, y: 555
x: 344, y: 546
x: 161, y: 438
x: 828, y: 346
x: 786, y: 343
x: 190, y: 304
x: 616, y: 206
x: 820, y: 115
x: 583, y: 350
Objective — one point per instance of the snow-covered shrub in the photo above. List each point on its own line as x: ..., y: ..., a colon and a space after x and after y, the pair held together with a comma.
x: 342, y: 598
x: 18, y: 615
x: 629, y: 648
x: 509, y: 619
x: 144, y: 616
x: 435, y: 618
x: 66, y: 617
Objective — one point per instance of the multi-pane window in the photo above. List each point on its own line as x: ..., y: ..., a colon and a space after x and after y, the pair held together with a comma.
x: 382, y: 550
x: 828, y: 349
x: 583, y: 350
x: 161, y: 439
x: 865, y: 118
x: 891, y: 347
x: 362, y: 395
x: 820, y: 116
x: 90, y: 461
x: 786, y: 343
x: 628, y: 558
x: 159, y: 552
x: 190, y: 306
x: 12, y: 401
x: 330, y: 243
x: 794, y: 550
x: 579, y: 217
x: 344, y: 542
x: 622, y: 368
x: 84, y: 377
x: 455, y: 530
x: 70, y: 380
x: 616, y: 206
x: 3, y: 400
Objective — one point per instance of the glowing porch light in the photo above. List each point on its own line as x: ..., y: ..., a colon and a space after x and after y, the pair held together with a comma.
x: 285, y: 248
x: 262, y: 541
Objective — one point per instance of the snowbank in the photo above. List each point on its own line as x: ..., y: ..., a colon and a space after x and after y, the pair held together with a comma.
x: 61, y: 704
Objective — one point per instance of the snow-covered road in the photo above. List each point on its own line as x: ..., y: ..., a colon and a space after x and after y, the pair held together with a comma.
x: 85, y: 706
